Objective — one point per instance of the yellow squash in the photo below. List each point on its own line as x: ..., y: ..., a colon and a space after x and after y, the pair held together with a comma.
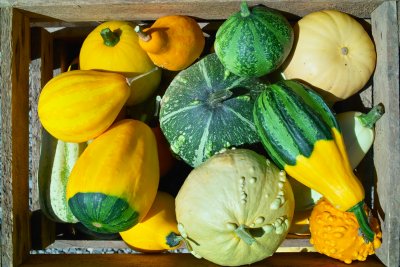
x: 79, y: 105
x: 158, y: 231
x: 114, y: 182
x: 113, y: 46
x: 172, y: 42
x: 333, y: 53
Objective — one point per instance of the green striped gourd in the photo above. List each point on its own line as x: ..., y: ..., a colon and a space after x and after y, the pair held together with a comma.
x: 302, y: 136
x: 57, y: 159
x: 254, y: 43
x: 204, y: 111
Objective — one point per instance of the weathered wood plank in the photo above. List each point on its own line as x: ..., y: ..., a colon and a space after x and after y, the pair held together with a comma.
x: 185, y: 260
x: 15, y: 135
x: 387, y: 142
x: 147, y: 10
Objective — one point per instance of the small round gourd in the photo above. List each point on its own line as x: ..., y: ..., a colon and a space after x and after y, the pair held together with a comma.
x: 333, y: 53
x: 252, y: 43
x: 235, y: 208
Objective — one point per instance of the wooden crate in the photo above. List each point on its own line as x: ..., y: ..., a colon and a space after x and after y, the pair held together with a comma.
x: 21, y: 227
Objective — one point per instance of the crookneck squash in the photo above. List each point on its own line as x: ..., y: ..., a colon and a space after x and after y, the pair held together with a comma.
x: 79, y: 105
x: 173, y: 42
x: 302, y: 136
x: 158, y: 230
x: 114, y: 182
x: 333, y: 53
x: 203, y: 110
x: 335, y: 233
x: 57, y: 158
x: 252, y: 43
x: 235, y: 208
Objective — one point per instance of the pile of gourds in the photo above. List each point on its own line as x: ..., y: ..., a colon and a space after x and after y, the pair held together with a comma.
x: 101, y: 166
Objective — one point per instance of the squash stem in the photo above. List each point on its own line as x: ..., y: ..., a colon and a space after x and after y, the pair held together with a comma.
x: 219, y: 96
x: 244, y: 235
x: 362, y: 219
x: 142, y: 35
x: 244, y: 9
x: 173, y: 239
x: 368, y: 120
x: 110, y: 38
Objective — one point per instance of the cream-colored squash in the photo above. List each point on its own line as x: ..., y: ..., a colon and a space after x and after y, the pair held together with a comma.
x: 235, y: 208
x: 333, y: 53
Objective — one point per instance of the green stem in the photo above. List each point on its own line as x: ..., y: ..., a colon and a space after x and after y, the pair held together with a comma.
x: 244, y: 9
x: 219, y: 96
x: 110, y: 38
x: 362, y: 219
x: 173, y: 239
x: 368, y: 120
x: 244, y: 235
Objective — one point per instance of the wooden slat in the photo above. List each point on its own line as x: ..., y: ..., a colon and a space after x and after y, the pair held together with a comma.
x: 208, y: 9
x: 185, y: 260
x: 387, y: 142
x: 14, y: 129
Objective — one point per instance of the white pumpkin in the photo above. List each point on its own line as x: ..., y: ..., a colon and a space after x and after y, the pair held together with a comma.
x: 235, y: 208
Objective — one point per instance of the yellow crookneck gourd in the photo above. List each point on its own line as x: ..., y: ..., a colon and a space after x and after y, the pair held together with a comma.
x: 172, y: 42
x: 335, y: 233
x: 113, y: 46
x: 158, y: 231
x: 79, y: 105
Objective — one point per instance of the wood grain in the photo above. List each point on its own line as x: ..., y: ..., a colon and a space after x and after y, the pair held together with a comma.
x: 102, y: 10
x: 387, y: 142
x: 185, y: 260
x: 15, y: 135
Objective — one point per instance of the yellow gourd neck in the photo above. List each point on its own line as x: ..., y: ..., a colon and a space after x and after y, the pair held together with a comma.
x: 153, y: 40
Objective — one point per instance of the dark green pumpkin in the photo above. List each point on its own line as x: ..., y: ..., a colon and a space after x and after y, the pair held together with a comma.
x: 205, y: 110
x: 254, y: 43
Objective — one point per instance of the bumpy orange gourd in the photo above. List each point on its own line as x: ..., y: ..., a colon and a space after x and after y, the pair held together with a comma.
x: 333, y: 53
x: 335, y: 233
x: 79, y: 105
x: 114, y: 46
x: 158, y: 231
x: 172, y: 42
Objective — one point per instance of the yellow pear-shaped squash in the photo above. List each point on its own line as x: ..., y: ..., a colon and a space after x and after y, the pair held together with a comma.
x: 113, y: 46
x: 235, y: 208
x: 333, y: 53
x: 114, y: 182
x: 79, y: 105
x: 158, y: 230
x: 172, y: 42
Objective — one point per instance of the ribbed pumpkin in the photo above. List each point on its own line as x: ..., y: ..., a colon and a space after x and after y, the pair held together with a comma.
x: 302, y: 136
x: 333, y: 53
x: 203, y: 110
x: 335, y: 234
x: 114, y: 182
x: 173, y: 42
x: 57, y: 158
x: 235, y: 208
x: 79, y: 105
x: 158, y: 230
x: 254, y: 43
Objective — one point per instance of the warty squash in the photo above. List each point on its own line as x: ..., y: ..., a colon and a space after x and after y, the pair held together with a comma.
x: 335, y: 233
x: 333, y: 53
x: 79, y: 105
x: 158, y: 230
x: 172, y: 42
x: 113, y: 46
x: 302, y: 136
x: 235, y: 208
x: 114, y: 182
